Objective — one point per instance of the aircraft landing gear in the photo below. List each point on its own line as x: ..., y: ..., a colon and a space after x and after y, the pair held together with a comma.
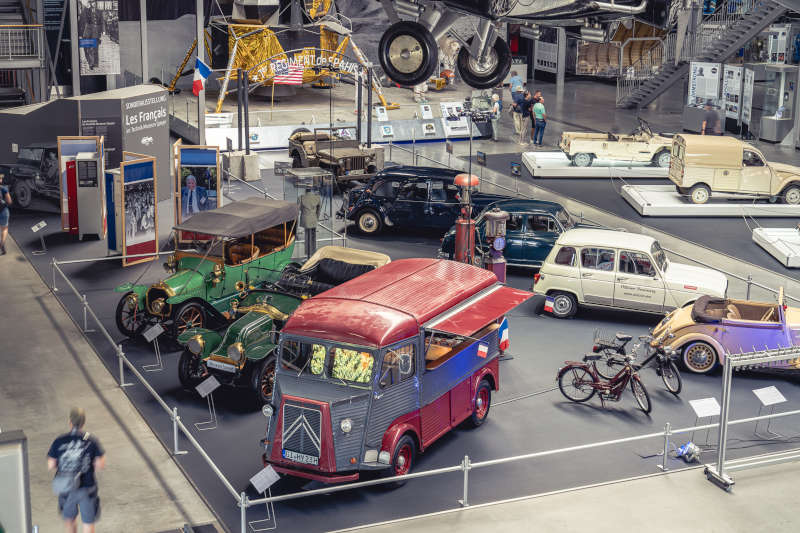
x: 408, y: 53
x: 489, y: 72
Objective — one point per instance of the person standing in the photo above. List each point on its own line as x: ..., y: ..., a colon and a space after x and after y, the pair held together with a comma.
x: 497, y: 108
x: 310, y: 206
x: 515, y: 83
x: 539, y: 121
x: 518, y: 101
x: 5, y: 213
x: 712, y: 125
x: 75, y: 456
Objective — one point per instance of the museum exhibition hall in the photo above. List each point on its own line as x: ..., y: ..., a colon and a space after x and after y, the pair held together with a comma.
x: 389, y: 265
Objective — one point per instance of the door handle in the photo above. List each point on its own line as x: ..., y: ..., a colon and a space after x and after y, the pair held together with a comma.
x: 586, y: 275
x: 620, y: 278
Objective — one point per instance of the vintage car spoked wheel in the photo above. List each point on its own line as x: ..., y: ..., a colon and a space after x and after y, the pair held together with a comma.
x: 575, y: 383
x: 582, y: 160
x: 488, y: 73
x: 791, y: 195
x: 190, y: 370
x: 130, y: 319
x: 22, y: 193
x: 700, y: 193
x: 189, y: 315
x: 564, y: 305
x: 404, y: 455
x: 699, y: 357
x: 483, y: 401
x: 662, y: 159
x: 263, y: 381
x: 641, y: 395
x: 369, y: 222
x: 408, y: 53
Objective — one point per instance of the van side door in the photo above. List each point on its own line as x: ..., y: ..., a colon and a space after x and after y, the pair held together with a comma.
x: 756, y: 175
x: 638, y: 284
x: 597, y: 275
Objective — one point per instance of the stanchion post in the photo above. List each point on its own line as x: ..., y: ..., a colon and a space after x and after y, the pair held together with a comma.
x: 53, y: 267
x: 465, y: 466
x: 749, y: 284
x: 667, y: 433
x: 390, y: 150
x: 175, y: 419
x: 85, y: 315
x: 243, y: 511
x: 120, y: 355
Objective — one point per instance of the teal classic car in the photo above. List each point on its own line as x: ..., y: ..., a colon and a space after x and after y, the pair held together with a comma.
x: 531, y: 231
x: 243, y: 355
x: 246, y: 243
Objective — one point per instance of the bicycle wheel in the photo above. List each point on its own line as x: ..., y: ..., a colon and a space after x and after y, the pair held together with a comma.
x: 605, y: 367
x: 671, y: 377
x: 576, y: 383
x: 640, y: 393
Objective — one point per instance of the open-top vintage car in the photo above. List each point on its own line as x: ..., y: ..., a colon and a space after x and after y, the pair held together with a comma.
x: 713, y: 327
x: 343, y: 156
x: 641, y: 145
x: 247, y: 243
x: 243, y: 354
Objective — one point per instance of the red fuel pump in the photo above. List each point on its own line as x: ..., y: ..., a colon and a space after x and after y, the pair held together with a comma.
x: 465, y: 225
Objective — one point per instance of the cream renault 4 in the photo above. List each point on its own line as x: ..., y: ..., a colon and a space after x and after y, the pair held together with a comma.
x: 620, y: 270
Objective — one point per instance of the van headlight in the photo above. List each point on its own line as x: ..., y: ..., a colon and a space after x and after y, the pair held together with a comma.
x: 267, y: 411
x: 196, y: 344
x: 346, y: 425
x: 235, y: 351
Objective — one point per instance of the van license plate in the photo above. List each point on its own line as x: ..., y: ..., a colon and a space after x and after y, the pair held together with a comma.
x: 225, y: 367
x: 356, y: 172
x: 300, y: 457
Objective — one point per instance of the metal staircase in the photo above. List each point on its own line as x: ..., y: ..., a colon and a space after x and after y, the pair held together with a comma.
x: 21, y: 47
x: 719, y: 36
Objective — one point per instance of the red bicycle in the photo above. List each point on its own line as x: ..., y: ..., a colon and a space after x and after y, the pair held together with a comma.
x: 579, y: 381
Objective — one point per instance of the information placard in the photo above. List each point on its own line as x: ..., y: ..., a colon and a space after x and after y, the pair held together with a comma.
x: 427, y: 111
x: 264, y: 479
x: 747, y: 95
x: 705, y: 407
x: 769, y: 395
x: 732, y: 91
x: 207, y: 387
x: 380, y: 111
x: 703, y: 83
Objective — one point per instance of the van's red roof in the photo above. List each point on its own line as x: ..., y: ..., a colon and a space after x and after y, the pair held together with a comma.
x: 388, y: 304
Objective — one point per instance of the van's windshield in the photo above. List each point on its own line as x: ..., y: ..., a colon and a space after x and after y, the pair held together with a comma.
x: 659, y: 256
x: 344, y: 364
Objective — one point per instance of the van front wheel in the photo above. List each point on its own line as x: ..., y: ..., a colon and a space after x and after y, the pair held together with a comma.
x: 700, y: 193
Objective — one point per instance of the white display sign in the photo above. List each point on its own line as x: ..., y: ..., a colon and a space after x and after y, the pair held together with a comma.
x: 382, y: 115
x: 265, y: 478
x: 207, y: 387
x: 703, y: 83
x: 778, y: 43
x: 732, y: 91
x: 152, y: 333
x: 427, y: 112
x: 545, y: 56
x: 769, y: 396
x: 36, y: 227
x: 747, y: 95
x: 705, y: 407
x: 452, y: 121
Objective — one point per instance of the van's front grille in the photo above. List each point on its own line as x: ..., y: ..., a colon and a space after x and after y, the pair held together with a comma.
x: 302, y: 428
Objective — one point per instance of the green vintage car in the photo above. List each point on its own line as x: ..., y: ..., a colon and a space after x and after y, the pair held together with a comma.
x: 245, y: 243
x: 243, y: 355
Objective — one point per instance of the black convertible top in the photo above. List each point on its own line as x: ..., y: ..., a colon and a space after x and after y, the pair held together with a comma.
x: 701, y: 313
x: 242, y: 218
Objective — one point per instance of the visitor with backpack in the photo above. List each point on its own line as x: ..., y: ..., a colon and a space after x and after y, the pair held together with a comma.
x: 497, y: 108
x: 75, y: 456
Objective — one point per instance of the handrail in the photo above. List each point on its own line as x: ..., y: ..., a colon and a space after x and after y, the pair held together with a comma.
x: 21, y: 26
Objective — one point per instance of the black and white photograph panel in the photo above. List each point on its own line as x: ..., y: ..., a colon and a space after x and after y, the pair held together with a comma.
x: 98, y: 37
x: 198, y: 190
x: 140, y: 212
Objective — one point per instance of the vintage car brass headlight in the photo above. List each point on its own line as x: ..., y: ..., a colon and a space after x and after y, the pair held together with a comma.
x: 132, y: 302
x: 172, y: 264
x: 157, y: 306
x: 346, y: 425
x: 196, y: 344
x: 235, y: 351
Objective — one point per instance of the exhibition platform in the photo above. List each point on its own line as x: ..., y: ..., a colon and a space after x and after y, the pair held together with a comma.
x: 781, y: 243
x: 665, y: 201
x: 557, y: 165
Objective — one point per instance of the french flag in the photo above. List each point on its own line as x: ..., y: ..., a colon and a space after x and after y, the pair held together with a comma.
x: 201, y: 72
x: 483, y: 350
x: 548, y: 304
x: 504, y: 342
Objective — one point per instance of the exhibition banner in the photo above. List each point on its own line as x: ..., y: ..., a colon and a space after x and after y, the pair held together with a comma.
x: 68, y: 148
x: 98, y: 37
x: 747, y: 95
x: 545, y: 56
x: 139, y: 204
x: 731, y: 90
x: 703, y: 83
x: 198, y: 184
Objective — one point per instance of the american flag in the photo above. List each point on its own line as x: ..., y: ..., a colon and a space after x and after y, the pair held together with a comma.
x: 287, y: 73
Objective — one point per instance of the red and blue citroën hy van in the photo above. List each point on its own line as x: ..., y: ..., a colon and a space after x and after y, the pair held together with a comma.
x: 376, y: 370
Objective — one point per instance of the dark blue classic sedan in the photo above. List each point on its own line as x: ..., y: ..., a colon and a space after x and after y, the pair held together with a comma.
x: 409, y: 197
x: 531, y: 231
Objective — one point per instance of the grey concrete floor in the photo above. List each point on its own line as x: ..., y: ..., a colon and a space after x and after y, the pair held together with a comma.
x: 55, y: 368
